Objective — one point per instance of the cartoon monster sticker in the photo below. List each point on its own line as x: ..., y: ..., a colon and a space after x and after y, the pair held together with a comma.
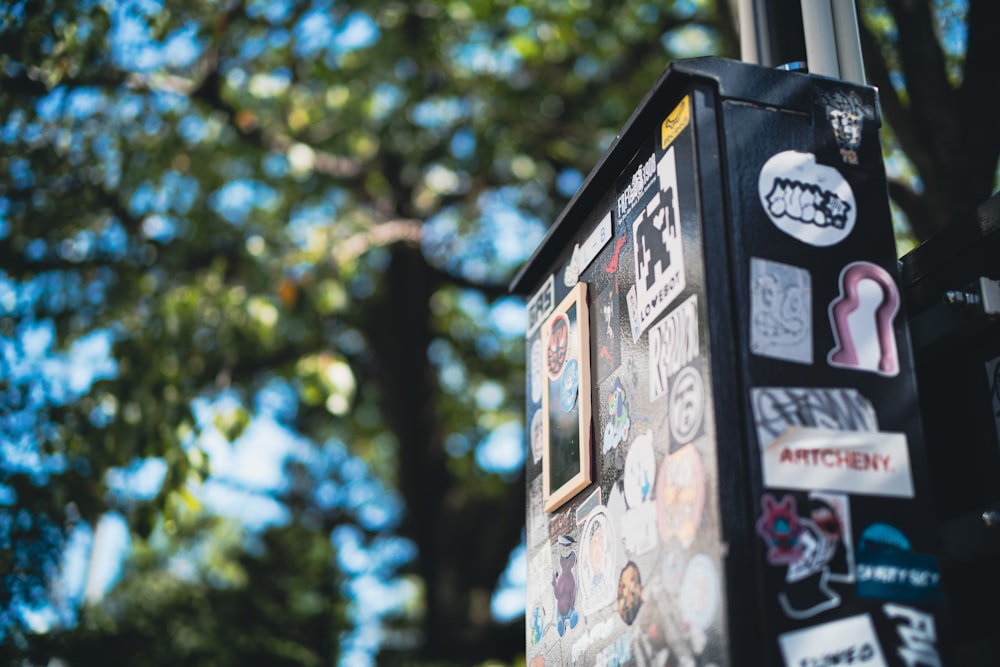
x: 780, y: 528
x: 557, y: 353
x: 619, y: 422
x: 805, y: 549
x: 564, y: 587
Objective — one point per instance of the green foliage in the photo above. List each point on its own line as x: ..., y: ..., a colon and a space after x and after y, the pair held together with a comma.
x: 202, y: 202
x: 201, y: 598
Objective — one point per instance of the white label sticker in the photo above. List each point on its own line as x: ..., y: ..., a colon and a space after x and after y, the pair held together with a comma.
x: 657, y: 251
x: 873, y: 463
x: 541, y: 304
x: 780, y: 311
x: 828, y: 439
x: 595, y: 242
x: 585, y: 254
x: 848, y: 641
x: 809, y: 201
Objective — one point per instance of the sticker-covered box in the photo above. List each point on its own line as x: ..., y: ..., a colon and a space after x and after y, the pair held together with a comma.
x: 725, y: 462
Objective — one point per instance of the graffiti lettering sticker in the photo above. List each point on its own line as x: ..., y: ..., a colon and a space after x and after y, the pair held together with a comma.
x: 846, y: 113
x: 657, y: 251
x: 807, y: 200
x: 780, y: 311
x: 917, y: 635
x: 673, y: 342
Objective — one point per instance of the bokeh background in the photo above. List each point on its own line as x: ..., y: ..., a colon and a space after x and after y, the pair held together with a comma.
x: 261, y: 380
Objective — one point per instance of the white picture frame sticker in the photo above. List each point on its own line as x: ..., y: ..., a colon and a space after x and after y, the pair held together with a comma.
x: 807, y: 200
x: 845, y: 641
x: 780, y: 311
x: 657, y: 249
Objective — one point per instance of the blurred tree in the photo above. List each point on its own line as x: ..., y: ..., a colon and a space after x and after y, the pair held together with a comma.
x: 195, y: 595
x: 224, y: 201
x: 934, y: 65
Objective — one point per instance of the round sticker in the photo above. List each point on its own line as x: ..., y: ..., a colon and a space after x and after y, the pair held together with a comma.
x: 537, y: 436
x: 536, y: 371
x: 680, y: 496
x: 570, y: 387
x: 557, y: 351
x: 700, y: 592
x: 809, y: 201
x: 640, y: 470
x: 687, y: 405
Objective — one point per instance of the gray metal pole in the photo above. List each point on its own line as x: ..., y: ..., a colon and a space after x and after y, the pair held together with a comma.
x: 845, y: 25
x: 749, y: 48
x: 821, y: 41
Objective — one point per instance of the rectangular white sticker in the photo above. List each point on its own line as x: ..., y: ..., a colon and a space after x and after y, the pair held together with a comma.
x: 595, y: 242
x: 541, y: 304
x: 673, y: 343
x: 780, y: 311
x: 848, y: 641
x: 657, y: 249
x: 869, y: 462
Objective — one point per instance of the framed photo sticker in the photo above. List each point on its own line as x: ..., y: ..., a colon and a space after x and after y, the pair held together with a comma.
x: 566, y: 408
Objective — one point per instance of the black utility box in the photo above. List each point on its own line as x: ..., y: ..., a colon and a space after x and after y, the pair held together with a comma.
x: 726, y: 464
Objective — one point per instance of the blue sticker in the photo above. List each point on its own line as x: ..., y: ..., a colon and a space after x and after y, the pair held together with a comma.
x: 570, y: 387
x: 888, y: 570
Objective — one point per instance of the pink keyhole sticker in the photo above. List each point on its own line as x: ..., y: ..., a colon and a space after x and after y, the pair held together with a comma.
x: 849, y: 339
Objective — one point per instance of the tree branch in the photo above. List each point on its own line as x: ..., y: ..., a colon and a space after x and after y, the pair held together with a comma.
x: 979, y: 99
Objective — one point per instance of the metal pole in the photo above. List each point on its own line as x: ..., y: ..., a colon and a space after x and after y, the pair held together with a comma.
x: 821, y: 42
x: 749, y: 47
x: 771, y: 33
x: 845, y: 25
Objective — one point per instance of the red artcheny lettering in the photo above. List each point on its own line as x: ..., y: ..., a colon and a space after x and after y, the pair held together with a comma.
x: 835, y: 458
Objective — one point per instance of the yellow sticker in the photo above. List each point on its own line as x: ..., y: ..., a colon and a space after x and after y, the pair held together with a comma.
x: 675, y: 122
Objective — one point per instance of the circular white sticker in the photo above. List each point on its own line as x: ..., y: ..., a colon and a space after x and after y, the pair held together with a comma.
x: 700, y: 592
x: 687, y: 405
x: 809, y: 201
